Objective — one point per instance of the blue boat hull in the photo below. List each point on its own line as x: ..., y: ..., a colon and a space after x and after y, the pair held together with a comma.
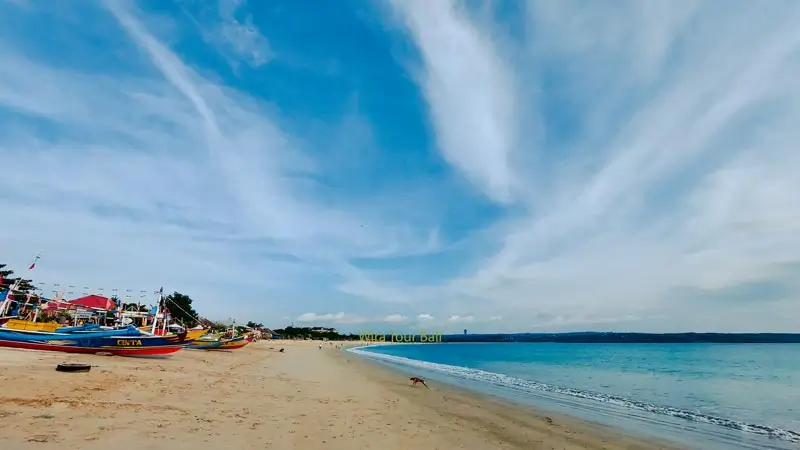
x: 98, y: 332
x: 120, y: 342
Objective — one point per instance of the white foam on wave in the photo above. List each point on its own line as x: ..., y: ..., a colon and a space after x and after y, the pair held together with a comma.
x: 505, y: 381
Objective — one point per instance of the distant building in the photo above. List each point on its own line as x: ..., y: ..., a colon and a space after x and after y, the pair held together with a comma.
x: 266, y: 333
x: 323, y: 330
x: 205, y: 322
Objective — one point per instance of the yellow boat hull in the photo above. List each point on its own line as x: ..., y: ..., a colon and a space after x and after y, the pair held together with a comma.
x: 27, y: 325
x: 50, y: 327
x: 194, y: 334
x: 232, y: 345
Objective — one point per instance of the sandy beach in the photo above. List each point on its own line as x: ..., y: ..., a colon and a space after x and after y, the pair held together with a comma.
x: 304, y: 398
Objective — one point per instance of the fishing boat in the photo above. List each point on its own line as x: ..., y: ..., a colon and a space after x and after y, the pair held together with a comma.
x: 30, y: 321
x: 206, y: 343
x: 200, y: 344
x: 233, y: 344
x: 126, y: 342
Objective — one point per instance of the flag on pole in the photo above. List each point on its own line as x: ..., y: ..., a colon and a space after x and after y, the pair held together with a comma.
x: 33, y: 264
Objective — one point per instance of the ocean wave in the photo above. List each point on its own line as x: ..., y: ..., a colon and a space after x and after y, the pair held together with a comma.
x: 498, y: 379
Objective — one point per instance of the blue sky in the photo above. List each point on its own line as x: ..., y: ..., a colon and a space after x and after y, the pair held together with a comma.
x: 406, y: 165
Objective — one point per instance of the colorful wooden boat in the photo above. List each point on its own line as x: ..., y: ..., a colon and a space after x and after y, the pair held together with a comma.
x: 232, y: 345
x: 218, y: 344
x: 115, y: 342
x: 204, y: 345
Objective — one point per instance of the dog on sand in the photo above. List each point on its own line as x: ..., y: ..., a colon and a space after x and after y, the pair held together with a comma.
x: 415, y: 380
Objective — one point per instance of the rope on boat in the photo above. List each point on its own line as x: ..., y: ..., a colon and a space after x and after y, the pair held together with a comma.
x: 194, y: 316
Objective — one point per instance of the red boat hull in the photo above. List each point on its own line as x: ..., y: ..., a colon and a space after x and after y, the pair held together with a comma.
x: 138, y: 351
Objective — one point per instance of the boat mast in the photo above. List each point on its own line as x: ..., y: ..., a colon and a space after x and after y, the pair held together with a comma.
x: 6, y: 301
x: 121, y: 309
x: 15, y: 286
x: 158, y: 310
x: 164, y: 312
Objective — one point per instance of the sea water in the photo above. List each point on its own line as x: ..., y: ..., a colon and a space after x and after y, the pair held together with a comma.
x: 704, y: 396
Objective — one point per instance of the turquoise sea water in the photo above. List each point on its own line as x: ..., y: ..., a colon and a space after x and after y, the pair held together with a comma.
x: 705, y: 396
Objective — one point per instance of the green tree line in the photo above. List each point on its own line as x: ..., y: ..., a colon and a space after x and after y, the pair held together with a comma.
x: 292, y: 332
x: 8, y: 279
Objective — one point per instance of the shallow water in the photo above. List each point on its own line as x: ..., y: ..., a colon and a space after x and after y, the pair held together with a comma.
x: 709, y: 396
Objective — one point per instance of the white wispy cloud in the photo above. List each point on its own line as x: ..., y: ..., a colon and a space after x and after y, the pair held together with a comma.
x: 339, y: 318
x: 461, y: 319
x: 342, y: 318
x: 163, y: 171
x: 470, y: 93
x: 242, y: 35
x: 427, y: 320
x: 641, y: 163
x: 395, y: 318
x: 228, y: 26
x: 686, y: 132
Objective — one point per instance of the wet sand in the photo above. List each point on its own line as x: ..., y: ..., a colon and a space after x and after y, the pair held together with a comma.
x: 256, y: 397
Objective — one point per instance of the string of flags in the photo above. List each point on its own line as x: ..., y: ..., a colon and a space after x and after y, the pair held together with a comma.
x: 73, y: 290
x: 58, y: 290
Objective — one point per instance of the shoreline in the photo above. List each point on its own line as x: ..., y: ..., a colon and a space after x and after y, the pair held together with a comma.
x: 554, y: 429
x: 257, y: 397
x: 682, y: 426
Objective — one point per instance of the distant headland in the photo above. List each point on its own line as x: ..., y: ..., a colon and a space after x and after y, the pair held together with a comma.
x: 585, y: 337
x: 593, y: 337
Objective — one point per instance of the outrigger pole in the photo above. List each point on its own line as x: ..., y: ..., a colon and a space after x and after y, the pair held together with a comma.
x: 15, y: 287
